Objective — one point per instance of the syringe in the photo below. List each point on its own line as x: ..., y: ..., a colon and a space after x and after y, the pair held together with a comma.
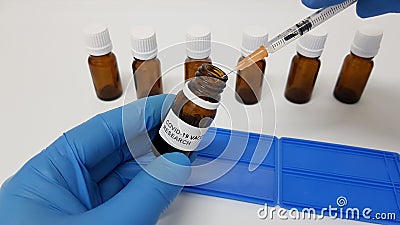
x: 293, y: 33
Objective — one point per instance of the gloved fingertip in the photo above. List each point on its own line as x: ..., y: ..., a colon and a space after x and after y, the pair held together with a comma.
x: 171, y: 168
x: 169, y: 98
x: 193, y: 156
x: 371, y: 8
x: 361, y: 10
x: 178, y: 158
x: 166, y: 104
x: 312, y: 4
x: 156, y: 108
x: 363, y: 15
x: 165, y: 100
x: 317, y: 4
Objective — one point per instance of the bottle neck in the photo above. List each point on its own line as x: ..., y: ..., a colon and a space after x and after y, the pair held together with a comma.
x: 142, y: 60
x: 209, y: 83
x: 110, y: 53
x: 199, y: 59
x: 299, y: 54
x: 351, y: 53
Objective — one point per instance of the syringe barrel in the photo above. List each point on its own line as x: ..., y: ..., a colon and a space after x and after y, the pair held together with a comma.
x: 324, y: 14
x: 306, y: 25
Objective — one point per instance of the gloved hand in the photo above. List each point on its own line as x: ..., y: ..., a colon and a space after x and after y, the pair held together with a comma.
x: 84, y: 177
x: 365, y: 8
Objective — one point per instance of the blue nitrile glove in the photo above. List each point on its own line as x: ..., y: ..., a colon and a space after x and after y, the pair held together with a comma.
x: 80, y: 178
x: 365, y: 8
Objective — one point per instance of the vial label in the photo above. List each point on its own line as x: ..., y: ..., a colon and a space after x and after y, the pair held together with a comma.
x: 179, y: 134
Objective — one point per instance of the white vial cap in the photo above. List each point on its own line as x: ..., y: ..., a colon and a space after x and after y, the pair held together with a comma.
x: 312, y: 44
x: 98, y: 40
x: 253, y: 38
x: 144, y: 43
x: 198, y: 42
x: 367, y: 41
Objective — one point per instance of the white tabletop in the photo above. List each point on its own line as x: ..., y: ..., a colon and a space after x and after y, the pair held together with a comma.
x: 47, y: 89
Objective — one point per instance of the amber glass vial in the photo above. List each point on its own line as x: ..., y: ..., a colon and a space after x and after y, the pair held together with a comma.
x: 198, y: 50
x: 305, y: 67
x: 146, y: 67
x: 249, y: 80
x: 357, y: 66
x: 103, y: 63
x: 192, y: 112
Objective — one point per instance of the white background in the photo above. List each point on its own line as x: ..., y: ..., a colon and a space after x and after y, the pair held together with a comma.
x: 46, y: 88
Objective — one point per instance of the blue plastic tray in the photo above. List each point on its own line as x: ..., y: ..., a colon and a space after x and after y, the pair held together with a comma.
x: 318, y: 175
x: 300, y: 174
x: 261, y: 185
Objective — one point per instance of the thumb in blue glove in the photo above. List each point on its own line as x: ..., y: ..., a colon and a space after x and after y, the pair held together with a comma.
x: 88, y: 175
x: 365, y: 8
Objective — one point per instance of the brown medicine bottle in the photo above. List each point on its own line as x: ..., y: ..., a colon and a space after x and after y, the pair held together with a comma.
x: 357, y: 66
x: 103, y: 63
x: 305, y: 67
x: 249, y: 80
x: 198, y: 50
x: 192, y: 112
x: 146, y: 66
